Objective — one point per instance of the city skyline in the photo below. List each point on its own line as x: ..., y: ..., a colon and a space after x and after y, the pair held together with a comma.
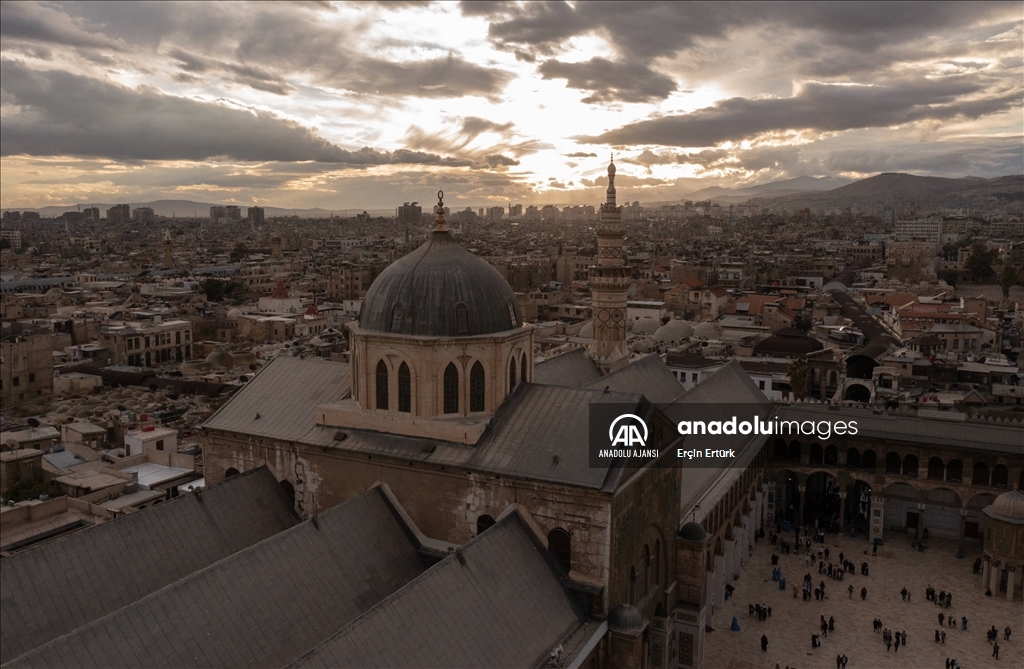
x: 366, y: 105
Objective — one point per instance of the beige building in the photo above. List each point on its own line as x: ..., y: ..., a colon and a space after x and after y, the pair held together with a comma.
x: 148, y: 344
x: 26, y: 368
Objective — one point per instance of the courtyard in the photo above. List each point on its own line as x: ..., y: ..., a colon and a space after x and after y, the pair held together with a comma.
x: 896, y: 566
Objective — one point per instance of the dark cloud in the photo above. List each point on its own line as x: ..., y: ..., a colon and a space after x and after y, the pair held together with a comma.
x: 65, y: 114
x: 820, y: 107
x: 498, y: 160
x: 652, y: 29
x: 608, y: 81
x: 259, y: 47
x: 820, y: 39
x: 41, y: 23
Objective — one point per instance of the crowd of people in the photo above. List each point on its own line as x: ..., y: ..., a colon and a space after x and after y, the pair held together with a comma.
x: 837, y: 571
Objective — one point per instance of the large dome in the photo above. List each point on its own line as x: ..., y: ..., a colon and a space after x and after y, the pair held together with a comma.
x: 440, y: 290
x: 1009, y: 506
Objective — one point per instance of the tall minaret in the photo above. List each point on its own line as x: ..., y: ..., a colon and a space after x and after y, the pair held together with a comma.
x: 609, y: 282
x: 168, y: 250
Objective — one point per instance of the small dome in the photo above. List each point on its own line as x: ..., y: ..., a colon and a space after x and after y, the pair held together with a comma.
x: 1009, y: 505
x: 707, y: 330
x: 625, y: 618
x: 645, y: 326
x: 426, y: 292
x: 673, y: 332
x: 220, y: 360
x: 234, y: 314
x: 587, y: 331
x: 692, y: 531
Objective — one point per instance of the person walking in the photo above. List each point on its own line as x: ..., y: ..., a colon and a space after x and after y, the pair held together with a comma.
x: 963, y: 622
x: 863, y: 593
x: 874, y: 550
x: 831, y: 624
x: 897, y: 643
x: 1006, y: 633
x: 764, y: 643
x: 851, y: 590
x: 995, y: 650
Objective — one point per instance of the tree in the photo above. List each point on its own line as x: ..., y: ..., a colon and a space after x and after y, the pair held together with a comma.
x: 799, y: 377
x: 1007, y: 278
x: 216, y: 289
x: 950, y: 277
x: 979, y: 263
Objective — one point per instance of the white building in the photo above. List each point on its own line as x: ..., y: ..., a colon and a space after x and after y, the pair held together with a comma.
x: 150, y: 438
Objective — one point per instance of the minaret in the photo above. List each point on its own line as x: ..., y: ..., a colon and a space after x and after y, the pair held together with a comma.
x: 609, y: 281
x: 275, y: 246
x: 168, y: 250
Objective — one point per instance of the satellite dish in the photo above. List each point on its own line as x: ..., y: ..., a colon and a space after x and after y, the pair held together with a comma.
x: 33, y: 422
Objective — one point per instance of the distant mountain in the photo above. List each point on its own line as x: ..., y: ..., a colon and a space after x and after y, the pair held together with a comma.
x: 189, y: 208
x: 769, y: 190
x: 903, y: 191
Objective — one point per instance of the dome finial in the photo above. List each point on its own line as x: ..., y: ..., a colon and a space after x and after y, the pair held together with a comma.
x: 440, y: 220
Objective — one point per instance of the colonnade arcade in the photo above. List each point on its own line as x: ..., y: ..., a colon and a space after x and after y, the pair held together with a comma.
x: 879, y: 488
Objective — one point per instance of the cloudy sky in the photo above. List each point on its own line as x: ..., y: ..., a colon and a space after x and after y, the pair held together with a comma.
x: 365, y: 105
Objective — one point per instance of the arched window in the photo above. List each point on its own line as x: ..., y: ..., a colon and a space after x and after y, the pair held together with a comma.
x: 980, y: 476
x: 892, y: 463
x: 817, y: 455
x: 289, y: 490
x: 647, y: 569
x: 936, y: 469
x: 656, y: 563
x: 404, y: 389
x: 451, y: 388
x: 483, y: 522
x: 511, y: 374
x: 831, y: 455
x: 382, y: 385
x: 397, y: 317
x: 476, y: 387
x: 1000, y: 476
x: 910, y: 465
x: 560, y: 545
x: 955, y: 471
x: 868, y: 460
x: 852, y: 458
x: 461, y: 318
x: 522, y: 368
x: 231, y: 471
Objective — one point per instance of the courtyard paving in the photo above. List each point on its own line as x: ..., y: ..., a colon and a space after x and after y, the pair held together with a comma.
x: 897, y: 565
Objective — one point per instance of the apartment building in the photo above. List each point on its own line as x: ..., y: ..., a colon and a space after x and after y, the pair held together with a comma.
x: 148, y: 344
x: 26, y: 368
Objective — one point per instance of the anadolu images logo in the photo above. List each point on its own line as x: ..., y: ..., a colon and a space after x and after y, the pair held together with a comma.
x: 628, y: 433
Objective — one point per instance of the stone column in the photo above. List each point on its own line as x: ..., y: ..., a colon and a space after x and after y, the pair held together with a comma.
x: 995, y: 577
x: 1010, y: 573
x: 803, y: 499
x: 876, y: 521
x: 963, y: 528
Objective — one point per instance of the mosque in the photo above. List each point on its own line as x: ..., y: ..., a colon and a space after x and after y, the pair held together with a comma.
x: 443, y: 404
